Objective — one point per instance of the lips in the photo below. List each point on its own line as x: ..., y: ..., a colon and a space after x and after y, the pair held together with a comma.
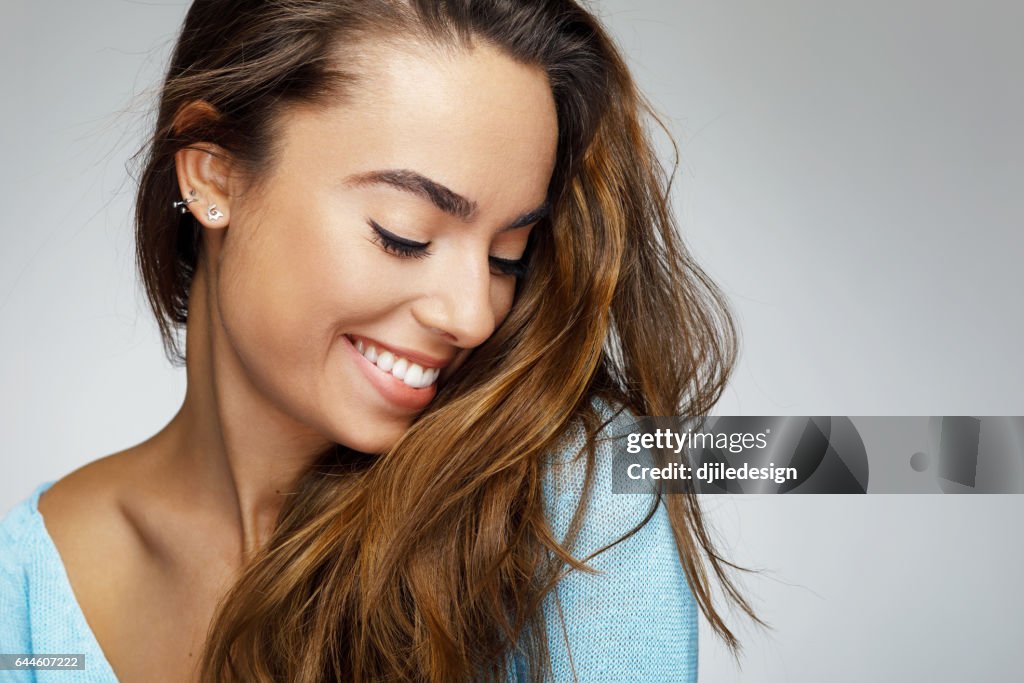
x: 424, y: 359
x: 413, y: 385
x: 399, y: 366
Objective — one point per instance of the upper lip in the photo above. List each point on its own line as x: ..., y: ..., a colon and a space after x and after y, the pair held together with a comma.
x: 421, y: 359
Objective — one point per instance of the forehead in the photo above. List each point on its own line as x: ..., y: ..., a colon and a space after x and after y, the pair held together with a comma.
x: 474, y: 120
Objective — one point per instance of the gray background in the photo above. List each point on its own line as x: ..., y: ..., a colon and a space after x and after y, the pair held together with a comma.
x: 850, y: 173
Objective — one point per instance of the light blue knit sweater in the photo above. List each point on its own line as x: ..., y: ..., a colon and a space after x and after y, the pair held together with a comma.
x: 634, y: 622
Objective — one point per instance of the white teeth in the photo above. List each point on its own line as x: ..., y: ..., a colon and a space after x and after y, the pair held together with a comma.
x: 413, y: 374
x: 386, y: 361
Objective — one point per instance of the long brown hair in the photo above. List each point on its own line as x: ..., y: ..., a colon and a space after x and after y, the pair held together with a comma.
x: 429, y: 562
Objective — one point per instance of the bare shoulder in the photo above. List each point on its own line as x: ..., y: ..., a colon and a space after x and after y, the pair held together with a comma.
x: 85, y: 507
x: 85, y: 517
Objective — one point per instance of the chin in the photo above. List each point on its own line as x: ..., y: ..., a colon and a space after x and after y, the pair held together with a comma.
x: 373, y: 438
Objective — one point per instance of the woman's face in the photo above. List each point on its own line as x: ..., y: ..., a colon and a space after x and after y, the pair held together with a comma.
x: 388, y: 222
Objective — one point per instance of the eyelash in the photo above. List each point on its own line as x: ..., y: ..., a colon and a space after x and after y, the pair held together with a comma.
x: 403, y: 248
x: 393, y: 244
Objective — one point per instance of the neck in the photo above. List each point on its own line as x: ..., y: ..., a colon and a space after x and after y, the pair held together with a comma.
x: 238, y: 454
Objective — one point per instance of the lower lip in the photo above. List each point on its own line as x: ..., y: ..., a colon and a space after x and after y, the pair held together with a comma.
x: 390, y: 387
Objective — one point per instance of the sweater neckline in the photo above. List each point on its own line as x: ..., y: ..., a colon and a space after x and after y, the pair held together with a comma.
x: 52, y: 557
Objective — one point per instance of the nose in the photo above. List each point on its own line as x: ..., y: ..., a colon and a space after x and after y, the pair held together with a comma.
x: 459, y: 306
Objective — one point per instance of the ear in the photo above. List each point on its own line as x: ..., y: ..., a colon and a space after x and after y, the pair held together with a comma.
x: 204, y: 171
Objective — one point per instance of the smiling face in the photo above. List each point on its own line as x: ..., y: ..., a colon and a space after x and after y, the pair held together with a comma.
x: 394, y: 221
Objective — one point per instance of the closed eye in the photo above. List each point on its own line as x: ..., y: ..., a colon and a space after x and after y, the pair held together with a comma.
x: 515, y: 268
x: 399, y: 246
x: 406, y: 248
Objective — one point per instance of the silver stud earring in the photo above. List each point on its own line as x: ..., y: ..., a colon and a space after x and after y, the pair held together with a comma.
x: 214, y: 214
x: 182, y: 205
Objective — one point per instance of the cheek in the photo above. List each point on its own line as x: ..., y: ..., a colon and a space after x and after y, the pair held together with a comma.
x: 503, y: 295
x: 283, y: 288
x: 288, y: 288
x: 263, y: 293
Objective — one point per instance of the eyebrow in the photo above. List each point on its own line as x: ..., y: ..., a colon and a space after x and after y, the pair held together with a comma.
x: 437, y: 194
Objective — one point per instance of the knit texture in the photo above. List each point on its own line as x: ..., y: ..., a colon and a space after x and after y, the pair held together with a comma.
x: 633, y: 622
x: 38, y: 611
x: 636, y: 620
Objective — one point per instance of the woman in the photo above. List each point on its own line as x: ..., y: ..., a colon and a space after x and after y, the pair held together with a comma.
x: 423, y: 259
